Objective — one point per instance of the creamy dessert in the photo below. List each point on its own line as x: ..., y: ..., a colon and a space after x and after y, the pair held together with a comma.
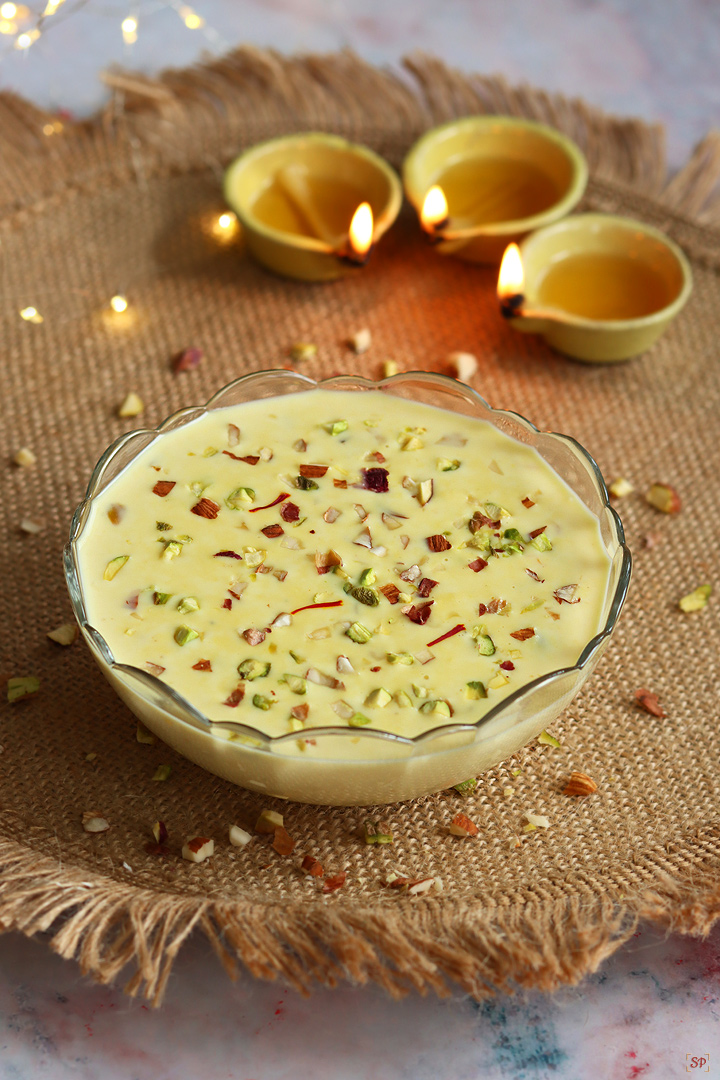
x: 341, y: 558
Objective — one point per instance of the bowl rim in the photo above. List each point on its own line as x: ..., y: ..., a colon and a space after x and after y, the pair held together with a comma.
x: 585, y: 221
x: 193, y: 717
x: 570, y: 199
x: 335, y: 143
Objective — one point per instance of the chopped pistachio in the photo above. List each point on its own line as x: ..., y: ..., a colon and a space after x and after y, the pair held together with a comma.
x: 254, y: 556
x: 411, y: 442
x: 160, y: 598
x: 305, y: 483
x: 184, y: 633
x: 21, y: 687
x: 64, y: 634
x: 115, y: 566
x: 336, y: 427
x: 389, y: 368
x: 378, y: 698
x: 210, y: 451
x: 376, y: 832
x: 512, y: 534
x: 400, y: 658
x: 485, y: 644
x: 358, y: 633
x: 162, y: 526
x: 532, y: 605
x: 436, y: 708
x: 420, y: 692
x: 25, y: 458
x: 446, y: 465
x: 492, y: 510
x: 358, y: 720
x: 466, y: 787
x: 475, y: 690
x: 297, y: 683
x: 239, y: 498
x: 171, y: 550
x: 262, y: 702
x: 162, y: 772
x: 131, y: 406
x: 301, y: 351
x: 364, y: 596
x: 143, y: 735
x: 620, y: 487
x: 548, y: 740
x: 498, y: 680
x: 296, y: 657
x: 268, y: 822
x: 541, y: 542
x: 253, y: 669
x: 188, y: 603
x: 402, y: 700
x: 696, y: 600
x: 368, y: 577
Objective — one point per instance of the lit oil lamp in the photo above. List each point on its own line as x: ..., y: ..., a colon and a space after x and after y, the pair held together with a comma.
x: 596, y: 287
x: 312, y: 206
x: 511, y: 282
x: 434, y: 213
x: 360, y: 236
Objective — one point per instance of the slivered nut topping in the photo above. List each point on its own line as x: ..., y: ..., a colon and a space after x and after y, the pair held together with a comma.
x: 579, y: 784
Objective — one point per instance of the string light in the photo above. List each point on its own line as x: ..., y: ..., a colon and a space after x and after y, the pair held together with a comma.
x: 225, y: 227
x: 51, y: 7
x: 119, y: 304
x: 192, y: 20
x: 8, y: 11
x: 53, y: 128
x: 129, y: 30
x: 31, y: 314
x: 7, y: 27
x: 26, y: 39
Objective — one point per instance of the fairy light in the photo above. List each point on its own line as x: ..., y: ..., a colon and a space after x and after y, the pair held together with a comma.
x: 31, y: 314
x: 119, y: 304
x: 225, y: 227
x: 192, y: 20
x: 51, y: 7
x: 26, y: 39
x: 8, y: 11
x: 129, y: 29
x: 54, y: 127
x: 8, y: 27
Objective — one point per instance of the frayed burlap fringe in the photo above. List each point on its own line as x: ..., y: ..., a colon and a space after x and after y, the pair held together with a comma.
x: 417, y: 947
x: 203, y: 116
x: 197, y: 120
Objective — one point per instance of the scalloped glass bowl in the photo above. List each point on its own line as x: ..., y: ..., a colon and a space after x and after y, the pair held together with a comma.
x: 355, y: 766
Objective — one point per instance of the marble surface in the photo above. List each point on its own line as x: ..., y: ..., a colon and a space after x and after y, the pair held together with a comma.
x: 652, y: 1010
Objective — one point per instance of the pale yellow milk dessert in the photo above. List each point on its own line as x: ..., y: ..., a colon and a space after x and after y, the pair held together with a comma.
x: 340, y: 558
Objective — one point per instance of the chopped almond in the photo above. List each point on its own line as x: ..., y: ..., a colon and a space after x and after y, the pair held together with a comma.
x: 461, y: 825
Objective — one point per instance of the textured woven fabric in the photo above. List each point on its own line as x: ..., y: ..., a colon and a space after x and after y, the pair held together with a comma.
x: 125, y: 205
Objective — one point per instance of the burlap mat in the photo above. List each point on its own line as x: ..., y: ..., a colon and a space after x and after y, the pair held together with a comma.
x: 121, y: 205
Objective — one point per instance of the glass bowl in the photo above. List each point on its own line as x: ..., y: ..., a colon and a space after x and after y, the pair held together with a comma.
x: 355, y: 766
